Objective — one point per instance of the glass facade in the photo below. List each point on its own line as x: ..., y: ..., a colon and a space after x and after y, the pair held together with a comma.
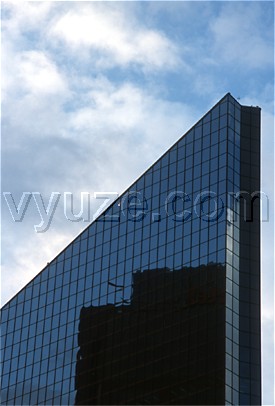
x: 158, y: 300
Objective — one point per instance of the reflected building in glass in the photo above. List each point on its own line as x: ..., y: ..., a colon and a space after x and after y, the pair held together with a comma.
x: 158, y: 300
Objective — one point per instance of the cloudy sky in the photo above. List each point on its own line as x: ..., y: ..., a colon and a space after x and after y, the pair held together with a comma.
x: 94, y: 92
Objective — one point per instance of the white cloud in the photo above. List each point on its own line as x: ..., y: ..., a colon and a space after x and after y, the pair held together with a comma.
x: 38, y: 74
x: 20, y: 17
x: 33, y: 93
x: 116, y: 36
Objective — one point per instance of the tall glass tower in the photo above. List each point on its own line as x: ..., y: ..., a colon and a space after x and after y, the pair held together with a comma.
x: 158, y: 300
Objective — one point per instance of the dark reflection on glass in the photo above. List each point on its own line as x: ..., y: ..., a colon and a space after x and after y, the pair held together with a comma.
x: 175, y: 332
x: 164, y: 345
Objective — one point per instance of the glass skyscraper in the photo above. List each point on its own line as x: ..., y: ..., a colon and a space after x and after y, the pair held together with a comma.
x: 158, y: 300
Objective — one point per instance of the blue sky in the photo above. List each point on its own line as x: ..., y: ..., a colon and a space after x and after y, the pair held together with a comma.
x: 94, y: 92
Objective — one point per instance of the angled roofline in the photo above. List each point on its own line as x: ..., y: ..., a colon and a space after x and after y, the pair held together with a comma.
x: 121, y: 194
